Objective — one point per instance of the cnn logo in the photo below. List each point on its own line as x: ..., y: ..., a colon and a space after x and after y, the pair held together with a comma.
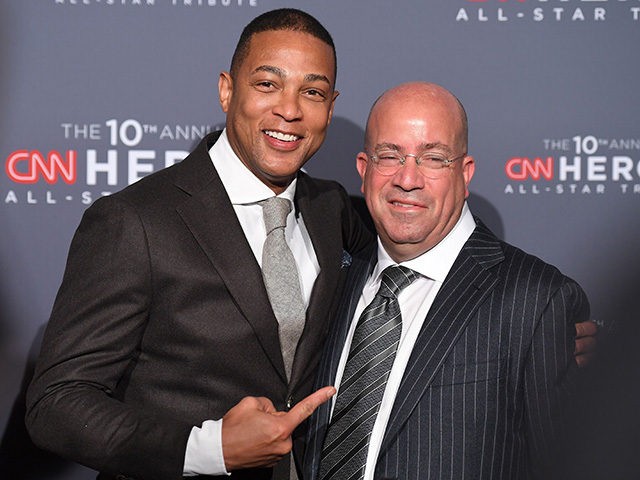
x: 24, y: 166
x: 523, y: 168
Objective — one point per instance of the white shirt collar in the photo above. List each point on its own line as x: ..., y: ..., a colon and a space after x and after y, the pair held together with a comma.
x: 435, y: 263
x: 242, y: 186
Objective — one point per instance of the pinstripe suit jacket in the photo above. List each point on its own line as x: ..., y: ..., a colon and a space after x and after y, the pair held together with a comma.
x: 489, y: 373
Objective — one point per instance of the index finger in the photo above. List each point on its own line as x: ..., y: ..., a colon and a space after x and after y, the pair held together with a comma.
x: 586, y: 329
x: 305, y: 407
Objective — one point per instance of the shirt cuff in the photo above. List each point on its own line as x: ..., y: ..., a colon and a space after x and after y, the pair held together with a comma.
x: 204, y: 450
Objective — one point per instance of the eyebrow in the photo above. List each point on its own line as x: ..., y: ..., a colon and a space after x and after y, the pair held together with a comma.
x: 435, y: 146
x: 270, y: 69
x: 309, y: 77
x: 316, y: 77
x: 390, y: 146
x: 421, y: 147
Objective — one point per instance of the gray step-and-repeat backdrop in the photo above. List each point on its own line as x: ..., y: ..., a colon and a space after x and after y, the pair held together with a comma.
x: 98, y: 93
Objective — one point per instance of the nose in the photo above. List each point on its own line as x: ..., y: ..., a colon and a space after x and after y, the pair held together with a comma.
x: 288, y: 106
x: 408, y: 177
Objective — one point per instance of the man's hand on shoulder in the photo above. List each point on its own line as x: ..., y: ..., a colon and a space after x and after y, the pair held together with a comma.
x: 585, y: 342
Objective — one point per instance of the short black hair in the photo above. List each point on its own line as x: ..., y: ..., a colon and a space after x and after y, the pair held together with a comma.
x: 280, y: 19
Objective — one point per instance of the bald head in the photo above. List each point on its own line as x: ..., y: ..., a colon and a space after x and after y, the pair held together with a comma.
x: 414, y: 97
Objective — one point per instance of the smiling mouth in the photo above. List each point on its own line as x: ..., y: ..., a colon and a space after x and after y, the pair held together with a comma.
x: 404, y: 205
x: 283, y: 137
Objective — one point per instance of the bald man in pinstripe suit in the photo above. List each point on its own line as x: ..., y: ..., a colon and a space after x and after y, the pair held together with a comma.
x: 484, y: 363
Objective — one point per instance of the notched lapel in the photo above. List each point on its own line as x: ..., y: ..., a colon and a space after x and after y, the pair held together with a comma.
x: 210, y: 217
x: 359, y: 272
x: 468, y: 284
x: 318, y: 210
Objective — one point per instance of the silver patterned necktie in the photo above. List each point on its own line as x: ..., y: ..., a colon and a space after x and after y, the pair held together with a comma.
x: 280, y: 275
x: 371, y: 355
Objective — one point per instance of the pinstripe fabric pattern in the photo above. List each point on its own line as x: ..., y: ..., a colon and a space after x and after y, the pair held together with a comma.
x: 489, y: 373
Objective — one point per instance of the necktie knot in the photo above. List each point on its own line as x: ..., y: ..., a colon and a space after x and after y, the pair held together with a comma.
x: 394, y: 279
x: 275, y: 211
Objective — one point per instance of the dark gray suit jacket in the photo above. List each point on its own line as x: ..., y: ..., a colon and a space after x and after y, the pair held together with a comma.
x: 162, y: 321
x: 488, y: 375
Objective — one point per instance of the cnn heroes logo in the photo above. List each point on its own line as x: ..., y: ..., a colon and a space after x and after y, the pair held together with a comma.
x: 500, y: 11
x: 577, y: 165
x: 116, y: 161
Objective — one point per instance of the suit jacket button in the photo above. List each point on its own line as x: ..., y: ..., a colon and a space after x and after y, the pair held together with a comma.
x: 289, y: 403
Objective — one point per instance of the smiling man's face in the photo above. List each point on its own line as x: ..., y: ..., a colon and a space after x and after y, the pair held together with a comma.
x: 411, y: 211
x: 279, y: 104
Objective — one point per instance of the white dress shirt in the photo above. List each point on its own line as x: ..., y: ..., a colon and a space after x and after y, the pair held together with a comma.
x: 415, y: 301
x: 204, y: 454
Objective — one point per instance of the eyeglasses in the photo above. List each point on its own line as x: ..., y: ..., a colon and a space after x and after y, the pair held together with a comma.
x: 432, y: 164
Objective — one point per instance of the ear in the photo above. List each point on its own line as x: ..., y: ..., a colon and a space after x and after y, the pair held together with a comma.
x: 333, y: 103
x: 225, y: 90
x: 361, y: 166
x: 468, y: 169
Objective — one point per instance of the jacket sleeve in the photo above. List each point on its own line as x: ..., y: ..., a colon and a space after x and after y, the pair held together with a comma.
x: 93, y: 336
x: 550, y: 376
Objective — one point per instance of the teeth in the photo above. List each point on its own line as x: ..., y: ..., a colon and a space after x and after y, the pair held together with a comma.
x: 285, y: 137
x: 402, y: 204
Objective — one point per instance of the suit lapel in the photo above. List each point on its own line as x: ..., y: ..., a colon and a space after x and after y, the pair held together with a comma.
x: 210, y: 217
x: 468, y: 284
x: 324, y: 229
x: 359, y: 271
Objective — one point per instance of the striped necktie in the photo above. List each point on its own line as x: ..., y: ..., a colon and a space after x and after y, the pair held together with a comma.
x: 371, y: 356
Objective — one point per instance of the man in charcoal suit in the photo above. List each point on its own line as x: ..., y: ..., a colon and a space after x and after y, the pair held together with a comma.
x: 452, y: 352
x: 164, y: 324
